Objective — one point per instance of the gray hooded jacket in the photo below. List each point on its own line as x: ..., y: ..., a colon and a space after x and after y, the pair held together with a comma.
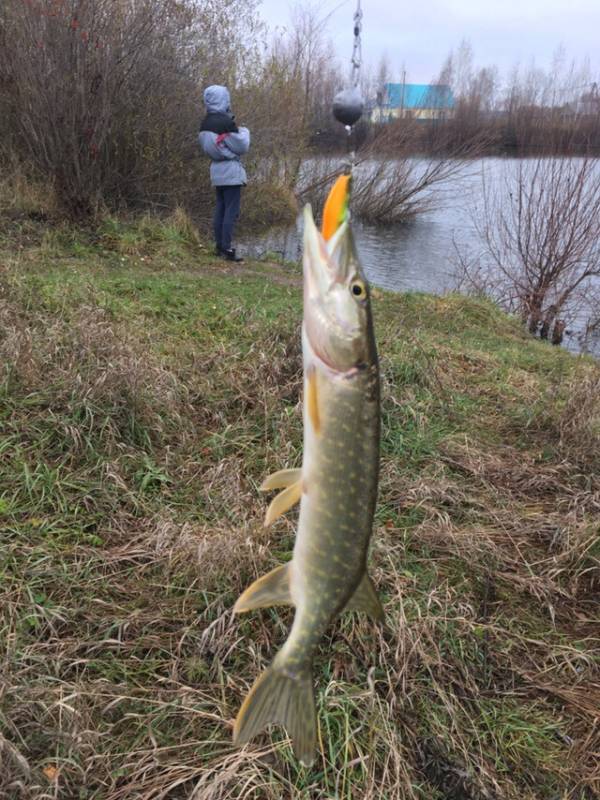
x: 224, y: 149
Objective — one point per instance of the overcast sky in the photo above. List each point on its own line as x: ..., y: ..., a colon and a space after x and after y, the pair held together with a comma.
x: 420, y: 34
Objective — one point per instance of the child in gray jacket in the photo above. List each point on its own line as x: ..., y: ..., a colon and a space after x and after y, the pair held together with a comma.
x: 224, y: 143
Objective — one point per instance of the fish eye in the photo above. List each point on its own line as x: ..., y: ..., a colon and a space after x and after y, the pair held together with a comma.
x: 358, y: 289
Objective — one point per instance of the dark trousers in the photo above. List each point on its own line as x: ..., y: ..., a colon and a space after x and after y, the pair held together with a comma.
x: 226, y: 214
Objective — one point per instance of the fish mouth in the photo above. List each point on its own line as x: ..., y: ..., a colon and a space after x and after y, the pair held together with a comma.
x: 316, y: 267
x: 326, y: 263
x: 327, y: 253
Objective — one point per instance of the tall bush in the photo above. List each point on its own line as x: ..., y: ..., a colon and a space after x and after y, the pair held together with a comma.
x: 103, y: 97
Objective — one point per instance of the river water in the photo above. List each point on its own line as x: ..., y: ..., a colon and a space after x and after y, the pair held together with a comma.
x: 419, y: 255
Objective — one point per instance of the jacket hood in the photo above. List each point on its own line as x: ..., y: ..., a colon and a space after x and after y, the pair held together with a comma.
x: 217, y: 100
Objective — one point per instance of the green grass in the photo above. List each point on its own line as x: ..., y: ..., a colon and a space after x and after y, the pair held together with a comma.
x: 145, y: 392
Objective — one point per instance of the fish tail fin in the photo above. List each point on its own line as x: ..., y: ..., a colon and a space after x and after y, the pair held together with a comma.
x: 278, y: 696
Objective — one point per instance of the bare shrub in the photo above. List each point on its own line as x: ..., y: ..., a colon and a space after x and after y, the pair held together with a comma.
x: 395, y: 188
x: 539, y: 227
x: 106, y: 106
x: 285, y: 98
x: 268, y: 203
x: 270, y: 102
x: 104, y: 101
x: 589, y: 337
x: 21, y: 194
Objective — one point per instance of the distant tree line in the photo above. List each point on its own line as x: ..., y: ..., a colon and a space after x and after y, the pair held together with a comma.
x: 532, y: 111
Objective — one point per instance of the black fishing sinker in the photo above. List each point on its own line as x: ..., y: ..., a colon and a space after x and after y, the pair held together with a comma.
x: 348, y: 106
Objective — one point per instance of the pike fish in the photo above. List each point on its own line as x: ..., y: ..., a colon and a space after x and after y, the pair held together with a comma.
x: 336, y: 486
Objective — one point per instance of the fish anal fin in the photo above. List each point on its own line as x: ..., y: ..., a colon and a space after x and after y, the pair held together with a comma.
x: 272, y: 589
x: 312, y: 399
x: 285, y: 698
x: 283, y: 502
x: 281, y: 479
x: 365, y: 599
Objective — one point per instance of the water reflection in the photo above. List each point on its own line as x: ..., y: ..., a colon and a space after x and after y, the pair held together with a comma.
x: 414, y: 256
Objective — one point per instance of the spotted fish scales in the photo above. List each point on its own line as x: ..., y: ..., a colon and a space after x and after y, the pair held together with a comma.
x: 336, y: 486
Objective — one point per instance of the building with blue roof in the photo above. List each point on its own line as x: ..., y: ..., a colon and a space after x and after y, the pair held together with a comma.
x: 423, y: 101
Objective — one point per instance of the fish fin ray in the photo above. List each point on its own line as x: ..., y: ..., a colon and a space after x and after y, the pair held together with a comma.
x: 283, y: 502
x: 282, y: 698
x: 312, y: 400
x: 365, y: 599
x: 281, y: 479
x: 272, y: 589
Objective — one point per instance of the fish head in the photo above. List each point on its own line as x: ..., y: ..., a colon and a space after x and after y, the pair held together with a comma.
x: 337, y: 315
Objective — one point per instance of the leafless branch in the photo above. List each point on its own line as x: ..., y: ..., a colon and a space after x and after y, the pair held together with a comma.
x: 539, y: 224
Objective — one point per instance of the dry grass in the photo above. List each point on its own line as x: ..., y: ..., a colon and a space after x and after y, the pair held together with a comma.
x: 143, y: 397
x: 23, y: 196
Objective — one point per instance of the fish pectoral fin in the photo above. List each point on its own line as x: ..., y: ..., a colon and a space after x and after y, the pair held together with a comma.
x: 286, y: 698
x: 365, y: 599
x: 281, y: 479
x: 272, y: 589
x: 283, y: 502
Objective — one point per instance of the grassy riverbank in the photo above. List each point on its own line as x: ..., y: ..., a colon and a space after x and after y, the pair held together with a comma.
x: 145, y: 391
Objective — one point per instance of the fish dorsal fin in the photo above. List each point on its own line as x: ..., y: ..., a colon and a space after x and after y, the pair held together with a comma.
x: 283, y: 502
x: 281, y: 479
x: 365, y: 599
x: 272, y: 589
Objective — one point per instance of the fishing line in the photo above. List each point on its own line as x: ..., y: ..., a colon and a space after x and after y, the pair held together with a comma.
x: 348, y: 104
